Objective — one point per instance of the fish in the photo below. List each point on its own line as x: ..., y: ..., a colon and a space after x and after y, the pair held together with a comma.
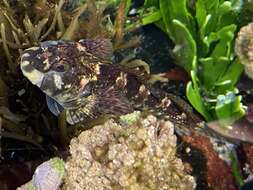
x: 79, y: 77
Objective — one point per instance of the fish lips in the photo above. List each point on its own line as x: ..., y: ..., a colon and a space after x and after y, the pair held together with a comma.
x: 33, y: 75
x: 27, y: 67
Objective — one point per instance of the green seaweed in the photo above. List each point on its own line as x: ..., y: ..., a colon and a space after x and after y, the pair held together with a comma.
x: 203, y: 33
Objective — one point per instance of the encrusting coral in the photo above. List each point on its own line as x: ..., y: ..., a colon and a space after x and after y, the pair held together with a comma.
x: 118, y: 156
x: 134, y: 152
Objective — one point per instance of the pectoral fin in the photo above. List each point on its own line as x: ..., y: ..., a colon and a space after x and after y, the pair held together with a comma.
x: 106, y: 101
x: 112, y: 101
x: 53, y: 106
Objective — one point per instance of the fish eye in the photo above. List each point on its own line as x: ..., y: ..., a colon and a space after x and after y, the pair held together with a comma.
x: 60, y: 68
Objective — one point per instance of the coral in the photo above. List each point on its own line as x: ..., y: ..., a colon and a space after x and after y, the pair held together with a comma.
x: 47, y: 176
x: 244, y: 48
x: 28, y: 23
x: 114, y: 156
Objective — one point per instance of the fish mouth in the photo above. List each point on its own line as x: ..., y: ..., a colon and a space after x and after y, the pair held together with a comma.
x: 33, y: 75
x: 29, y: 71
x: 41, y: 83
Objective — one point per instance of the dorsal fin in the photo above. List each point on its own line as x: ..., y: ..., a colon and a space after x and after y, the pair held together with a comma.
x: 101, y: 48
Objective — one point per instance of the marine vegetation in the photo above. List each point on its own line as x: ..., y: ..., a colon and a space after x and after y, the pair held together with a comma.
x: 30, y: 24
x: 27, y: 23
x: 62, y: 20
x: 69, y: 71
x: 203, y: 33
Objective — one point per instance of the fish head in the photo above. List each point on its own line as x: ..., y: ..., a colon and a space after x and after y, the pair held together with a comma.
x: 71, y: 75
x: 62, y: 70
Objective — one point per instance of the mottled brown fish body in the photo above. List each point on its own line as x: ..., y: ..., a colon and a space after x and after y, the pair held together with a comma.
x: 79, y: 76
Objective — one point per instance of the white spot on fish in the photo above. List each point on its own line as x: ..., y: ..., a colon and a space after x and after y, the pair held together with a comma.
x: 121, y: 80
x: 84, y: 81
x: 26, y: 55
x: 143, y: 92
x: 97, y: 69
x: 80, y: 47
x: 46, y: 64
x: 165, y: 103
x: 33, y: 75
x: 67, y: 86
x: 58, y: 81
x: 24, y: 64
x: 34, y: 48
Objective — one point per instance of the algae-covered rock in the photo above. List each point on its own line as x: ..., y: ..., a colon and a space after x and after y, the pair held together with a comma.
x: 47, y: 176
x: 140, y: 156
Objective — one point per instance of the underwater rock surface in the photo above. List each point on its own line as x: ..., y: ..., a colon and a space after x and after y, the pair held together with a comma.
x: 47, y: 176
x: 119, y: 156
